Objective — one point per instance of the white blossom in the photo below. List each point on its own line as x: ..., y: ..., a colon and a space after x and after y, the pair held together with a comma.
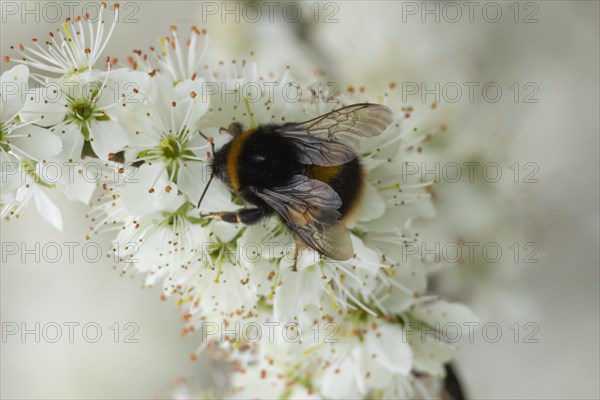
x: 71, y: 51
x: 177, y: 60
x: 84, y: 108
x: 23, y: 139
x: 163, y: 133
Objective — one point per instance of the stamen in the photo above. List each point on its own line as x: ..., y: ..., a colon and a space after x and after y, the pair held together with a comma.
x: 250, y: 114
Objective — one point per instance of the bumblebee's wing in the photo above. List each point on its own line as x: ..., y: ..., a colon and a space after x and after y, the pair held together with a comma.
x: 332, y: 138
x: 310, y: 209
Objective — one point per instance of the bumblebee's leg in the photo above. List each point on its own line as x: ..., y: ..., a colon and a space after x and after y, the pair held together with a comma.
x: 234, y: 129
x: 296, y: 255
x: 300, y: 245
x: 247, y: 216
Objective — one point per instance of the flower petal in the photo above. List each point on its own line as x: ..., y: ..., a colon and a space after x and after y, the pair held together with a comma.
x: 372, y: 204
x: 72, y: 142
x: 192, y: 177
x: 390, y: 346
x: 218, y: 198
x: 150, y: 191
x: 11, y: 177
x: 13, y: 84
x: 34, y: 141
x: 43, y: 110
x: 430, y: 355
x: 77, y: 181
x: 339, y: 382
x: 442, y: 312
x: 107, y: 137
x: 47, y: 209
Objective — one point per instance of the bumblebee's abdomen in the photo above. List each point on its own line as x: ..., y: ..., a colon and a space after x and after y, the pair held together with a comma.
x: 345, y: 179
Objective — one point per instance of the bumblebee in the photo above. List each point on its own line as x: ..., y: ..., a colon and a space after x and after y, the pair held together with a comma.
x: 307, y: 173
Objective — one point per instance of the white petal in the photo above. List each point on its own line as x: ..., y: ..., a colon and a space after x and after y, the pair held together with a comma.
x: 72, y: 142
x: 372, y: 204
x: 147, y: 191
x: 443, y: 312
x: 430, y: 356
x: 121, y: 85
x: 13, y: 84
x: 412, y: 274
x: 47, y: 209
x: 11, y: 177
x: 295, y: 291
x: 42, y: 109
x: 149, y: 250
x: 218, y: 198
x: 271, y: 246
x: 199, y: 104
x: 307, y: 258
x: 192, y: 178
x: 391, y: 348
x: 370, y: 259
x: 339, y: 381
x: 74, y: 184
x: 38, y: 142
x: 224, y: 231
x: 107, y: 137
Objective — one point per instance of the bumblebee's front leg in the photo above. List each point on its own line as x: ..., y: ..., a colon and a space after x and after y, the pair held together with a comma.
x: 247, y: 216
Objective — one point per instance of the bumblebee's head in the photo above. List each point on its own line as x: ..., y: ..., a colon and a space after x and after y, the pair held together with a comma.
x: 218, y: 164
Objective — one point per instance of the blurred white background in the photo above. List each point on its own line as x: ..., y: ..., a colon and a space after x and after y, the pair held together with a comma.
x: 372, y: 43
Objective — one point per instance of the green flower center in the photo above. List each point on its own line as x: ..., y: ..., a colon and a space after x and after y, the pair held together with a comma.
x: 4, y: 138
x: 171, y: 148
x: 82, y: 110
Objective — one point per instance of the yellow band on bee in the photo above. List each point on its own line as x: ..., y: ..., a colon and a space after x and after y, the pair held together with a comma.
x: 324, y: 174
x: 233, y: 156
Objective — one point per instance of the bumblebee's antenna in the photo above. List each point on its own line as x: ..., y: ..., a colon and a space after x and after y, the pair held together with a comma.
x: 212, y: 173
x: 205, y: 189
